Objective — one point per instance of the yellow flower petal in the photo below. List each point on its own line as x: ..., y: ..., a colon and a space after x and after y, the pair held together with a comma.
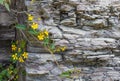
x: 30, y: 17
x: 13, y: 47
x: 14, y: 56
x: 25, y: 55
x: 46, y: 32
x: 21, y: 59
x: 41, y: 36
x: 34, y: 26
x: 63, y: 48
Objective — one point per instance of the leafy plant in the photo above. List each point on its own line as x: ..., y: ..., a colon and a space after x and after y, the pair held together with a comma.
x: 73, y: 73
x: 6, y: 4
x: 19, y: 54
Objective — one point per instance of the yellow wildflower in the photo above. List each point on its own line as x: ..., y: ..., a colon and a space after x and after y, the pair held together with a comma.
x: 34, y: 26
x: 25, y: 55
x: 21, y: 59
x: 63, y: 48
x: 46, y: 32
x: 14, y: 47
x: 40, y: 36
x: 30, y: 17
x: 14, y: 56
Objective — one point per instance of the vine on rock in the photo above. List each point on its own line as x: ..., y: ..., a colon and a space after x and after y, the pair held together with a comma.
x: 19, y: 54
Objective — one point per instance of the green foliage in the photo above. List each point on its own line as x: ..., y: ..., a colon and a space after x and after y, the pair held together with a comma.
x: 31, y: 31
x: 23, y: 44
x: 52, y: 46
x: 1, y: 2
x: 8, y: 72
x: 46, y: 41
x: 7, y: 6
x: 71, y: 73
x: 19, y: 54
x: 5, y: 3
x: 66, y: 74
x: 21, y: 26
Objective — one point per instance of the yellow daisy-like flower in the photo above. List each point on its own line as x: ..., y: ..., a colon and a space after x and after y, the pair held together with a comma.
x: 21, y: 59
x: 40, y: 36
x: 14, y: 56
x: 34, y: 26
x: 25, y: 55
x: 14, y: 47
x: 30, y: 17
x: 63, y: 48
x: 46, y: 32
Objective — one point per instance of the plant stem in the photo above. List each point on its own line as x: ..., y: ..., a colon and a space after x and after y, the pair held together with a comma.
x: 53, y: 56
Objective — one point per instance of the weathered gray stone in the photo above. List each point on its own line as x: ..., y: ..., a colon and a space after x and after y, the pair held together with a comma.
x: 36, y: 72
x: 70, y: 36
x: 42, y: 58
x: 66, y: 8
x: 62, y: 42
x: 96, y: 43
x: 69, y: 22
x: 79, y: 32
x: 56, y: 33
x: 97, y: 24
x: 6, y: 19
x: 86, y: 46
x: 7, y: 34
x: 50, y: 22
x: 56, y: 71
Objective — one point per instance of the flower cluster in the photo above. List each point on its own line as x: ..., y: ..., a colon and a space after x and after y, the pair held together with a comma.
x: 30, y: 17
x: 61, y: 48
x: 42, y: 35
x: 20, y: 58
x: 13, y: 47
x: 18, y: 54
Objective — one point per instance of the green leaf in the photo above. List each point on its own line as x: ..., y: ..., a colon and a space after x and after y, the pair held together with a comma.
x: 7, y: 6
x: 1, y: 2
x: 52, y: 46
x: 46, y: 41
x: 3, y: 73
x: 20, y: 26
x: 33, y: 32
x: 65, y: 74
x: 22, y: 44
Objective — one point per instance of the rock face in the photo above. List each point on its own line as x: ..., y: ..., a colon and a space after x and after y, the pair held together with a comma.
x: 6, y: 22
x: 90, y: 30
x: 7, y: 34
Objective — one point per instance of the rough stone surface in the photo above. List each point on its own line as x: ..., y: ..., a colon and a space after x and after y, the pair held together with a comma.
x: 90, y: 31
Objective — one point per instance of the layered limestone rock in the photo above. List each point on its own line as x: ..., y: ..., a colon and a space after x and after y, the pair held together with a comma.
x: 7, y: 34
x: 6, y: 22
x: 90, y: 30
